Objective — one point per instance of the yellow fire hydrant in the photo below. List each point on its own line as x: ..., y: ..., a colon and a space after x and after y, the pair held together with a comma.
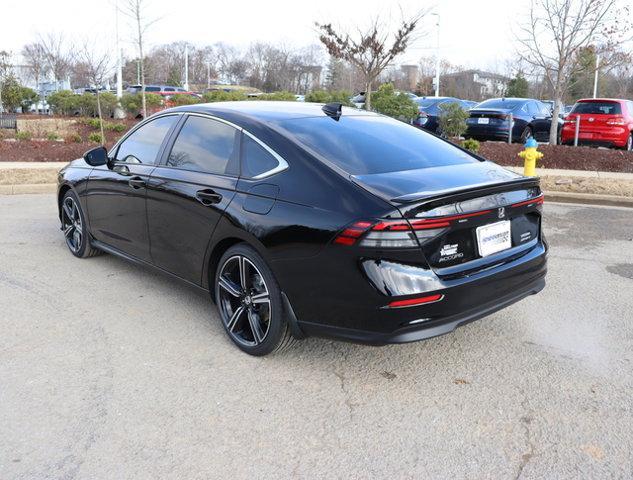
x: 530, y: 155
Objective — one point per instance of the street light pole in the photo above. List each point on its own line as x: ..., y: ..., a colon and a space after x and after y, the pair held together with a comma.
x: 595, y: 78
x: 437, y: 57
x: 118, y: 112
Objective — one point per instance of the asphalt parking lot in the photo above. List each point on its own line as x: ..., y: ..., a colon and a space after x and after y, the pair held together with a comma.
x: 111, y: 371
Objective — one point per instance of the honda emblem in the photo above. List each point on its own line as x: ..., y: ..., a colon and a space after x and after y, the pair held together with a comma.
x: 502, y: 212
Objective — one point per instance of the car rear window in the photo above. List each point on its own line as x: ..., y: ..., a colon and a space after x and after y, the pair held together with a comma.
x: 504, y: 104
x: 598, y: 108
x: 367, y: 144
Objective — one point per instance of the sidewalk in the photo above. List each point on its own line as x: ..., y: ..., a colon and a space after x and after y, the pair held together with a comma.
x: 546, y: 172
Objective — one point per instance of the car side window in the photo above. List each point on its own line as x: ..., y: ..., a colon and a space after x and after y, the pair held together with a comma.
x: 255, y: 158
x: 533, y: 108
x: 206, y: 145
x: 143, y: 144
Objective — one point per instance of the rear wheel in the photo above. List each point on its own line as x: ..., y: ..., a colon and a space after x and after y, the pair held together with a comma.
x: 249, y: 302
x: 74, y: 227
x: 629, y: 143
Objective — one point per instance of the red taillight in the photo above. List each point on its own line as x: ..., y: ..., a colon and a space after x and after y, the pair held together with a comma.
x: 616, y: 121
x: 351, y: 233
x: 535, y: 201
x: 415, y: 301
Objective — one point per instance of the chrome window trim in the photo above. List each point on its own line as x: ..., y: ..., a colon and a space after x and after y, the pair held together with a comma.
x: 281, y: 163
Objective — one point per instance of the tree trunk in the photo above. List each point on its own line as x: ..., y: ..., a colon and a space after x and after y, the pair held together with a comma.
x: 553, y: 130
x: 141, y: 59
x: 100, y: 117
x: 368, y: 95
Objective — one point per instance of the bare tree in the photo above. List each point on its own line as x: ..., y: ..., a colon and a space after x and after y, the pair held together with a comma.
x: 58, y: 54
x: 556, y: 31
x: 371, y: 51
x: 98, y: 69
x: 5, y: 71
x: 135, y: 10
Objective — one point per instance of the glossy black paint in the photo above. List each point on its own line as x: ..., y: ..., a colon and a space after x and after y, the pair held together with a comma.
x: 182, y: 221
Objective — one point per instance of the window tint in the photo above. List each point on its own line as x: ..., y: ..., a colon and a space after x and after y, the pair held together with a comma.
x: 170, y: 89
x: 367, y: 144
x: 142, y: 146
x: 255, y: 158
x: 152, y: 89
x: 205, y: 145
x: 598, y: 108
x: 533, y: 108
x: 506, y: 104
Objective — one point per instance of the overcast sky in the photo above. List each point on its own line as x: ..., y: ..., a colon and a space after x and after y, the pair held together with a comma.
x: 473, y: 33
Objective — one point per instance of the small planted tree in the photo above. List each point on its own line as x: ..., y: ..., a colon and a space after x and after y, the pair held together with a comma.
x: 98, y: 69
x: 371, y: 50
x: 452, y: 119
x: 396, y: 105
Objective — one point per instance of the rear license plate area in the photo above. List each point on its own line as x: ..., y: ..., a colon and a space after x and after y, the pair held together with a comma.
x: 494, y: 238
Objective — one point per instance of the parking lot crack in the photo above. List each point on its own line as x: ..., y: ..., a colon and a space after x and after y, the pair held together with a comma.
x: 530, y: 450
x: 346, y: 394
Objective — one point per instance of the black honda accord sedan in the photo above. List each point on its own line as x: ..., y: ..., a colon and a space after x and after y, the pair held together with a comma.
x: 305, y: 219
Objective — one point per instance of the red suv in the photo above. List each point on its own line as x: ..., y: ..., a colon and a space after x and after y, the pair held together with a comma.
x: 603, y: 122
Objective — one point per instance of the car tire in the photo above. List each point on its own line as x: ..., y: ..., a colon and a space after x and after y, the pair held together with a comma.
x: 75, y: 228
x: 527, y: 133
x: 249, y: 302
x: 629, y: 143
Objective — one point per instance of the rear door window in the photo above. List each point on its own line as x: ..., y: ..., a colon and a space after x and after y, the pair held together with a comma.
x: 598, y: 108
x: 206, y: 145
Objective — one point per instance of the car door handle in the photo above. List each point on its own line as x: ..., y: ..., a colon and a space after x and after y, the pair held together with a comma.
x: 136, y: 182
x: 208, y: 197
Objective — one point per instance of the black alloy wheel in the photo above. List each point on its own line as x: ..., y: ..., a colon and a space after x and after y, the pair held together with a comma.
x: 74, y: 227
x: 249, y: 302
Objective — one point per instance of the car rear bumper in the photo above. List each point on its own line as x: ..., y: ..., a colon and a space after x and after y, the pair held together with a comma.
x: 614, y: 137
x: 464, y: 300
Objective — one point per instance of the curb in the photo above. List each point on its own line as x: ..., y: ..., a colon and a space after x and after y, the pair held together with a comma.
x: 563, y: 197
x: 589, y: 199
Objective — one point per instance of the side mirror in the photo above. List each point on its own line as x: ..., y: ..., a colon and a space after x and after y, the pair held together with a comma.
x: 96, y: 157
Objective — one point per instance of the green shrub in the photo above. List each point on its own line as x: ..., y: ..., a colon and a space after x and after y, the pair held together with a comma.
x: 15, y: 95
x: 74, y: 138
x: 396, y: 105
x: 94, y: 123
x: 64, y: 102
x: 23, y: 135
x: 52, y: 136
x: 222, y: 96
x: 277, y: 96
x: 471, y: 144
x: 452, y: 119
x: 95, y: 137
x: 184, y: 99
x: 323, y: 96
x: 132, y: 103
x: 115, y: 127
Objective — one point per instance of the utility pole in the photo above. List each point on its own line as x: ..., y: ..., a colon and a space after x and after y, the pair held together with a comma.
x: 437, y: 58
x: 186, y: 85
x: 595, y: 78
x: 118, y: 111
x: 208, y: 75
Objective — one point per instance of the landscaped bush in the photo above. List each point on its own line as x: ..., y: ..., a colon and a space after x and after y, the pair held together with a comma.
x: 115, y: 127
x: 396, y: 105
x: 132, y: 103
x: 471, y: 144
x: 94, y: 123
x: 452, y: 119
x: 15, y: 95
x: 52, y: 136
x: 95, y: 137
x: 74, y: 138
x: 23, y: 136
x: 324, y: 96
x: 184, y: 99
x: 222, y: 96
x: 277, y: 96
x: 63, y: 102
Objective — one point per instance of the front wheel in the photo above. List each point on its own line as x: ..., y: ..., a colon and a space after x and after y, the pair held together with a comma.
x: 527, y: 133
x: 74, y: 227
x: 249, y: 302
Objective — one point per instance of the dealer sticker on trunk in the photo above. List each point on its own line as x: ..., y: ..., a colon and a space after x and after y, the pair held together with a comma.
x: 494, y: 238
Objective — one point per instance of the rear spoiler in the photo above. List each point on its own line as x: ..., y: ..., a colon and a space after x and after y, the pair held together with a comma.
x: 468, y: 191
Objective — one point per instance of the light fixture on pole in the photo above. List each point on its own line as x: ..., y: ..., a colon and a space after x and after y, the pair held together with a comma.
x: 436, y: 82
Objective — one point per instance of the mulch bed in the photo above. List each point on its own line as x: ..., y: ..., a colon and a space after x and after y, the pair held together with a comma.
x: 562, y: 156
x: 38, y: 150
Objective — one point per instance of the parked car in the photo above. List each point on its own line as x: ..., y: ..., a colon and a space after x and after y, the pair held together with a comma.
x: 302, y: 219
x: 490, y: 120
x: 429, y: 111
x: 158, y: 89
x: 604, y: 122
